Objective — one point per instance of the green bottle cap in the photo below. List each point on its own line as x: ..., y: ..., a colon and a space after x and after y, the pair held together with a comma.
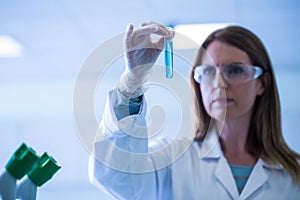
x: 21, y: 161
x: 43, y: 170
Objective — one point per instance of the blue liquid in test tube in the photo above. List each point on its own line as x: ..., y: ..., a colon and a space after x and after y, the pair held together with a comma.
x: 168, y: 46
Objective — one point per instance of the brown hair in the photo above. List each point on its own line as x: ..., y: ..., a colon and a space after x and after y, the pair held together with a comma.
x: 265, y: 134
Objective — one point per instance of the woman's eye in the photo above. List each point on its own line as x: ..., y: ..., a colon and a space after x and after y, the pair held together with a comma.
x: 208, y: 71
x: 235, y: 69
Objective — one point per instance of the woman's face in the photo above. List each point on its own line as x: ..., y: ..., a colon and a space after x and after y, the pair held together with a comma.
x: 222, y: 99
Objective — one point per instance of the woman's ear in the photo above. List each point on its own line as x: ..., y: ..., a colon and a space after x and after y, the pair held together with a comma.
x: 264, y: 82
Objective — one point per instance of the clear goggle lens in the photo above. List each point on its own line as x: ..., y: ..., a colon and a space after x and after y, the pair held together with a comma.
x: 233, y: 73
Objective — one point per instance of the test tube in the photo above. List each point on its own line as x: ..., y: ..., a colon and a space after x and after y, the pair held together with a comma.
x: 168, y: 46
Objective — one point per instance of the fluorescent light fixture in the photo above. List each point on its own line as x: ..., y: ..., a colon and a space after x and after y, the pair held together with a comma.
x: 191, y: 36
x: 9, y: 47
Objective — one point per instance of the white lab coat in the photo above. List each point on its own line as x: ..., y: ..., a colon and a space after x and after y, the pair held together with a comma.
x: 202, y: 172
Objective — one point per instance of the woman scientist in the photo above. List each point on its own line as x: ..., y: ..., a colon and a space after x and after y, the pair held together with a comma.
x: 235, y: 88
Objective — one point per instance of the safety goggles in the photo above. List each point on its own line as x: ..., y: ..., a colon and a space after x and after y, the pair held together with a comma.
x: 235, y: 73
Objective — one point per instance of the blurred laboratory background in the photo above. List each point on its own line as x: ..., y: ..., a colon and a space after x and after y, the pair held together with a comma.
x: 44, y: 44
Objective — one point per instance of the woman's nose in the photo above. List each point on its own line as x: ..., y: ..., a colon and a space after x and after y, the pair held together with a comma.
x: 219, y: 81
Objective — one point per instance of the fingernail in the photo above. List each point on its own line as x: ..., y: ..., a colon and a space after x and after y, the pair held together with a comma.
x: 154, y: 26
x: 129, y: 26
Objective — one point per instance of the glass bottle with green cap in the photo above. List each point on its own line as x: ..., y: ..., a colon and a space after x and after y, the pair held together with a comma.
x: 19, y: 164
x: 42, y: 171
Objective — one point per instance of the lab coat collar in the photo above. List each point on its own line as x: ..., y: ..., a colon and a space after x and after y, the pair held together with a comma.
x: 225, y: 178
x: 210, y: 148
x: 271, y: 166
x: 256, y: 180
x: 258, y: 177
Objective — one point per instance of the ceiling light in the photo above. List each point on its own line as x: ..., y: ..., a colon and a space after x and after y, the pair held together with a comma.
x: 9, y: 47
x: 191, y: 36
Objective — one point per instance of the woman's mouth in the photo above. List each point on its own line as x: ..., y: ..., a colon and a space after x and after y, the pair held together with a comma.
x: 222, y: 100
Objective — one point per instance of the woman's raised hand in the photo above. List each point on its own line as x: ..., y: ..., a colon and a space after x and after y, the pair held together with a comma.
x: 141, y: 52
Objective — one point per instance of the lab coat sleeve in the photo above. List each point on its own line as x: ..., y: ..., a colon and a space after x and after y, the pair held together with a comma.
x: 125, y: 107
x: 115, y: 165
